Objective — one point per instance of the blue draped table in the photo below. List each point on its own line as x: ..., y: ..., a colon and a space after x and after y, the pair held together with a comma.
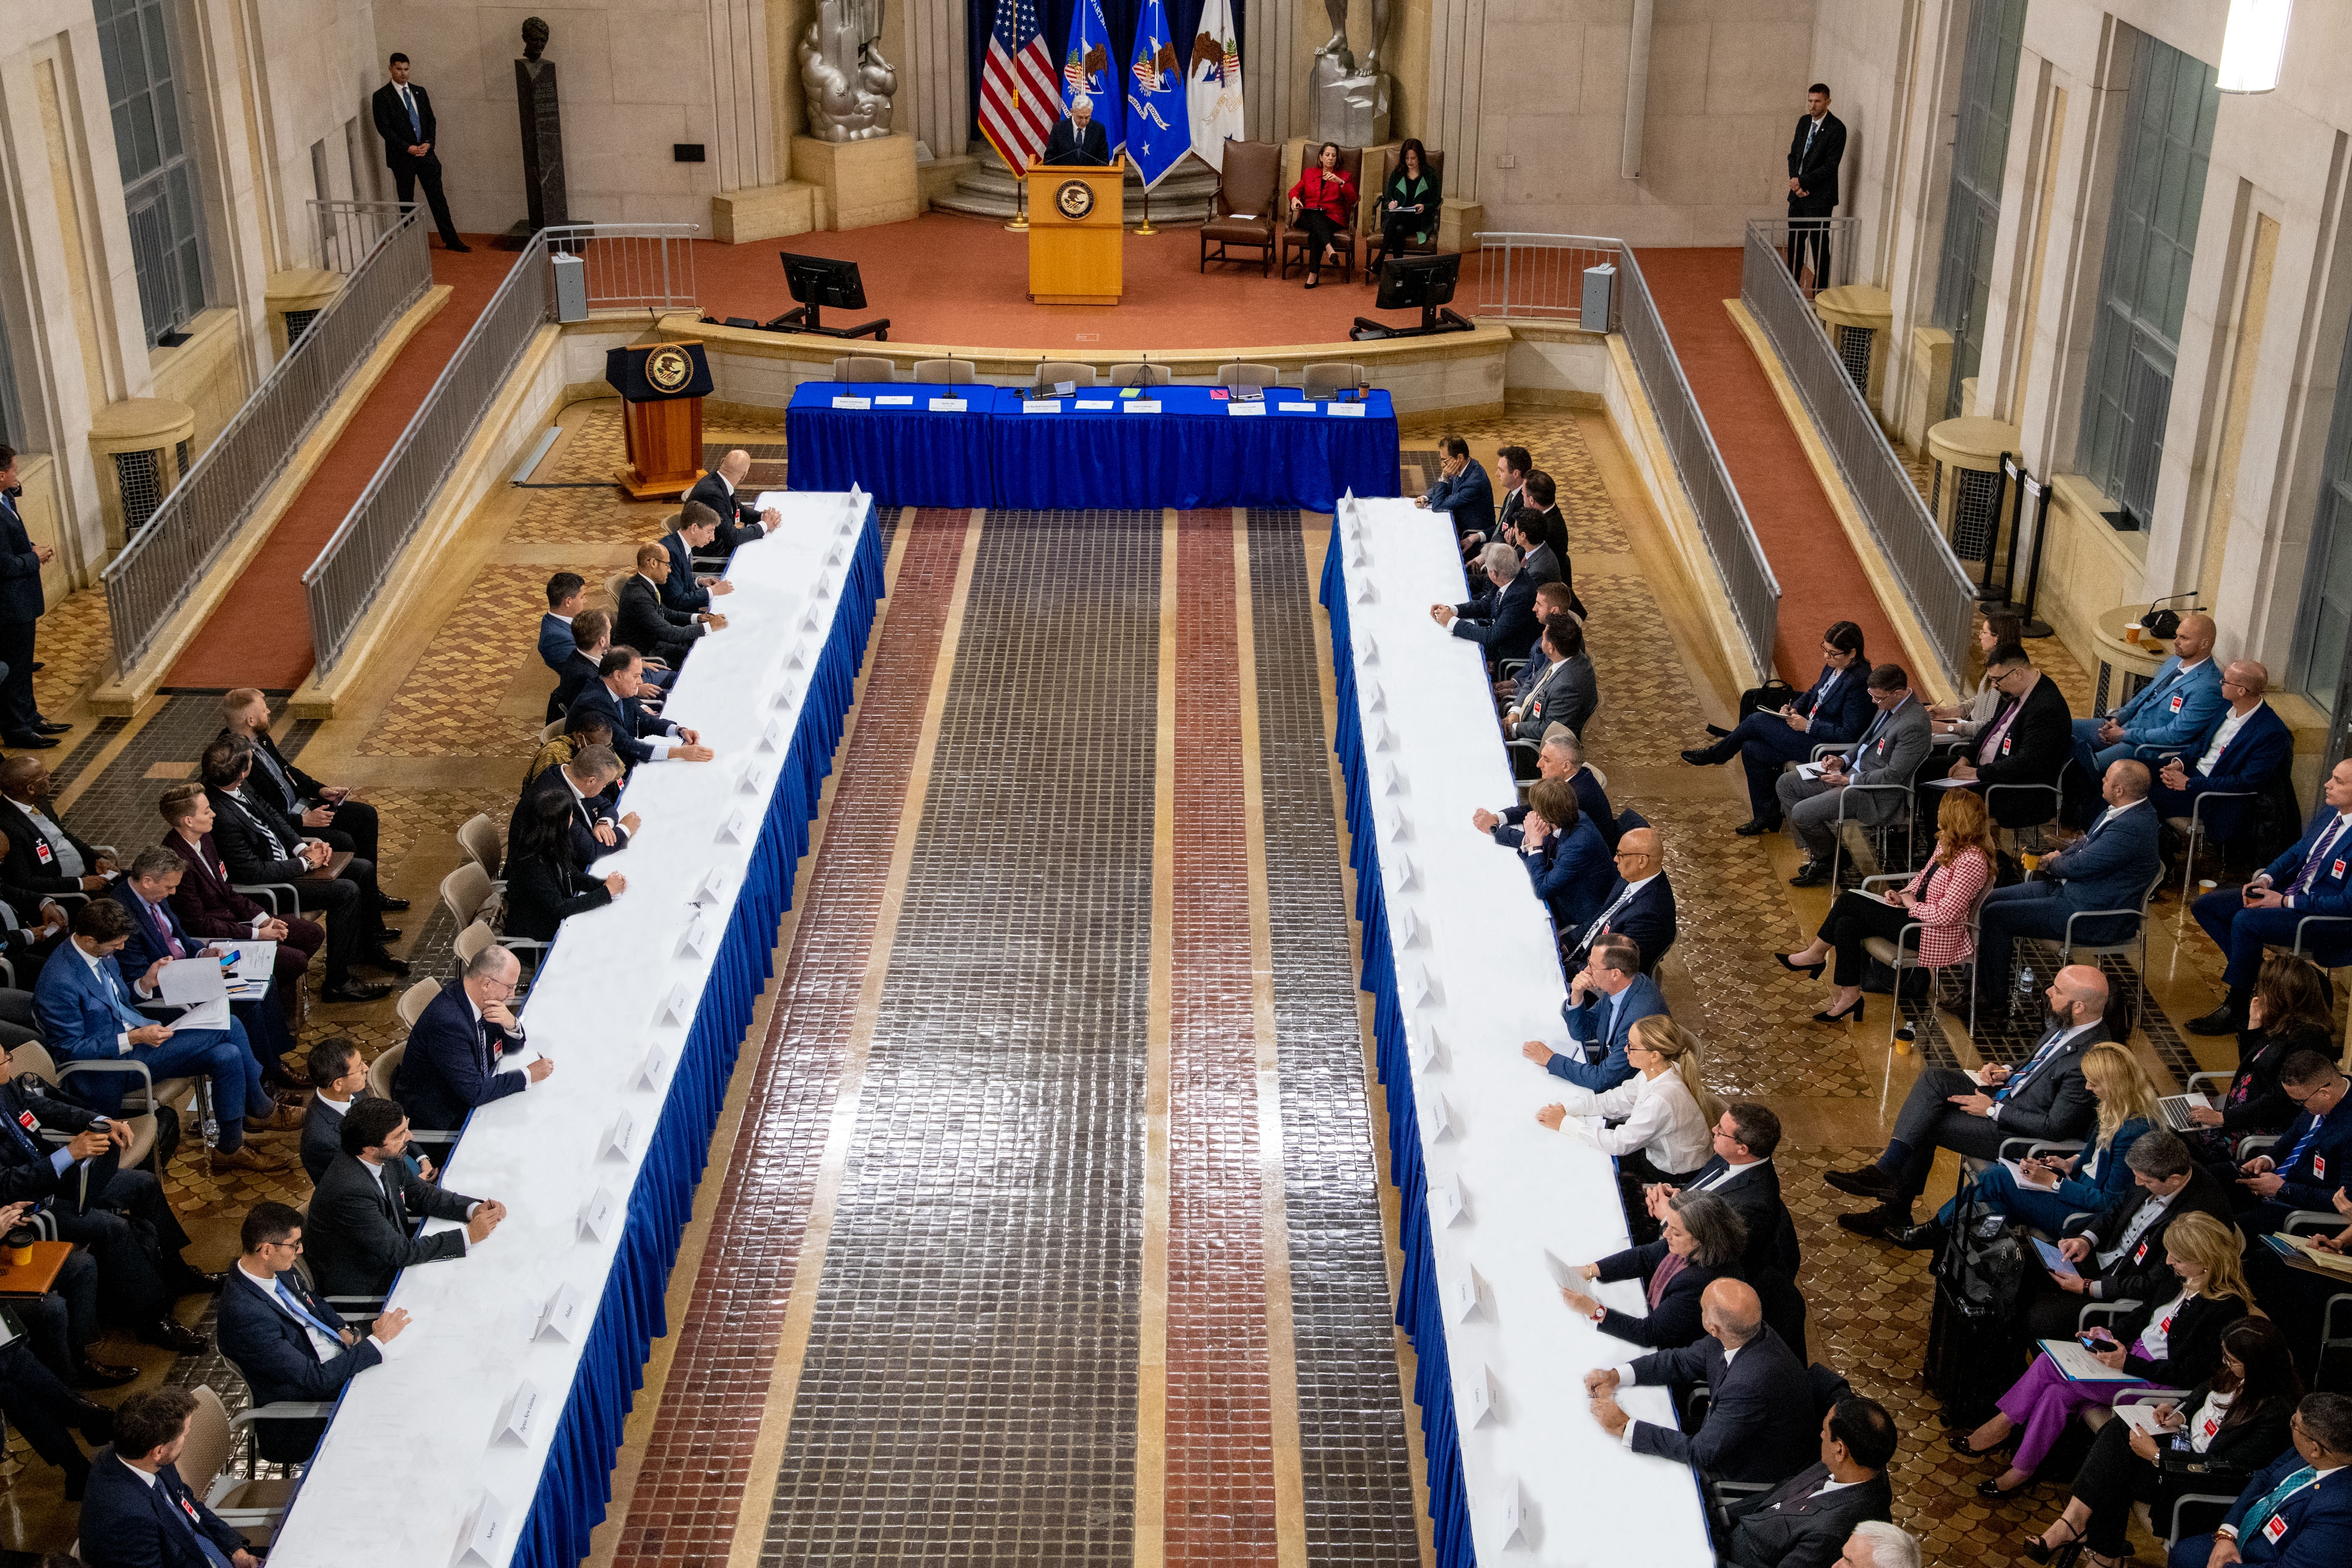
x: 1194, y: 453
x: 412, y: 1462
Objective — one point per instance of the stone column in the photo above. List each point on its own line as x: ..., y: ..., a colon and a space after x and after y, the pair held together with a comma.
x: 744, y: 139
x: 1457, y: 61
x: 938, y: 95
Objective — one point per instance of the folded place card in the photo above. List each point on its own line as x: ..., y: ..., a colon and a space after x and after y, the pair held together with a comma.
x: 1511, y: 1514
x: 832, y: 555
x: 483, y: 1541
x: 1408, y: 874
x: 737, y: 828
x: 1366, y: 593
x: 1429, y: 1048
x: 710, y: 890
x: 1064, y: 389
x: 565, y: 1316
x: 772, y: 740
x: 1360, y: 556
x: 853, y: 402
x: 1432, y: 990
x: 1396, y: 827
x: 676, y: 1009
x: 1392, y: 783
x: 883, y: 401
x: 1383, y: 738
x: 615, y: 1146
x: 1094, y: 403
x: 1344, y: 410
x: 649, y: 1070
x: 1245, y: 410
x: 1142, y: 405
x: 1464, y: 1295
x: 1375, y: 699
x: 794, y: 661
x: 517, y: 1415
x: 749, y: 779
x: 812, y: 622
x: 1478, y: 1398
x: 1369, y: 654
x: 949, y: 405
x: 1437, y: 1118
x: 1051, y: 405
x: 1409, y: 930
x: 697, y: 941
x: 596, y: 1215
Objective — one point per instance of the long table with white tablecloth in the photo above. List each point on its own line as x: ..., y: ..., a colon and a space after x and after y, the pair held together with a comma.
x: 489, y: 1435
x: 1459, y: 956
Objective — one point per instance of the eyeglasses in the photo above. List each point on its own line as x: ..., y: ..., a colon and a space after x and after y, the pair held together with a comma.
x: 293, y: 1246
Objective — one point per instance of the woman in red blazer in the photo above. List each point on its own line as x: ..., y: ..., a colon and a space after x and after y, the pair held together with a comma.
x: 1323, y: 203
x: 208, y: 906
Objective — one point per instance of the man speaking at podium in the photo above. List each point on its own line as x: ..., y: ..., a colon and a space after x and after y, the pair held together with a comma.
x: 1077, y: 138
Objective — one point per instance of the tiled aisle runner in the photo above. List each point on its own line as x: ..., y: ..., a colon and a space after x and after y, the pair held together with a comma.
x: 969, y: 1389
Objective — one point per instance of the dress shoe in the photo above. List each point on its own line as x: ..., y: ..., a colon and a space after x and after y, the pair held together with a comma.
x: 1812, y: 873
x: 1878, y: 1222
x: 187, y: 1281
x: 46, y: 728
x: 93, y: 1374
x: 1811, y: 971
x: 2221, y: 1020
x: 394, y: 904
x: 461, y: 247
x: 173, y: 1336
x: 1700, y: 756
x: 379, y: 959
x: 1853, y: 1012
x: 281, y: 1119
x: 353, y: 990
x: 1755, y: 827
x: 1993, y: 1488
x: 28, y: 742
x: 1868, y: 1181
x: 1925, y: 1236
x: 38, y: 665
x: 386, y: 935
x: 244, y: 1157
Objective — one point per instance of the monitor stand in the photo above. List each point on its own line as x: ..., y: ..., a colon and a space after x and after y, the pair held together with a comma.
x: 805, y: 318
x: 1366, y: 329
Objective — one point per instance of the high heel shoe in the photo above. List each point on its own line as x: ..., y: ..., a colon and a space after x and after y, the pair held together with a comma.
x: 1811, y: 971
x: 2041, y: 1551
x: 1959, y: 1442
x: 1853, y: 1012
x: 1993, y: 1491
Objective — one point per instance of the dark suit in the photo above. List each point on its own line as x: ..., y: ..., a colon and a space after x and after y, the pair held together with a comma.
x: 2242, y: 933
x: 1674, y: 1321
x: 451, y: 1064
x: 572, y: 677
x: 2035, y: 749
x: 2109, y: 867
x: 1837, y: 710
x: 93, y: 1207
x: 1566, y: 693
x: 650, y: 627
x: 682, y: 589
x: 629, y: 721
x: 128, y: 1523
x: 2261, y: 751
x: 293, y: 792
x: 257, y: 842
x: 585, y: 815
x: 359, y: 1234
x: 1469, y: 497
x: 1761, y: 1426
x: 1066, y: 143
x: 738, y: 520
x: 1648, y: 919
x: 2314, y: 1158
x: 2140, y: 1272
x: 2047, y: 1099
x: 279, y: 1360
x: 1788, y: 1527
x: 1591, y: 802
x: 211, y: 908
x: 1500, y: 620
x: 1772, y: 1256
x: 556, y: 644
x: 1814, y: 153
x: 1569, y: 873
x: 400, y: 132
x: 21, y: 603
x: 265, y: 1022
x: 543, y: 891
x: 33, y: 858
x: 1602, y: 1026
x: 2316, y: 1523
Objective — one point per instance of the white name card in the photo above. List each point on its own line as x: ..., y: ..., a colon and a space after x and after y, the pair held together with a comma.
x: 1370, y: 654
x: 737, y: 828
x: 795, y: 660
x: 1445, y: 1202
x: 1392, y: 783
x: 1429, y: 1051
x: 1366, y: 593
x: 1094, y: 403
x: 676, y: 1008
x: 1344, y: 410
x: 706, y: 892
x: 1478, y: 1397
x: 1437, y: 1119
x: 822, y: 591
x: 1410, y: 931
x: 1360, y: 556
x: 564, y: 1316
x: 483, y: 1541
x: 1383, y: 739
x: 517, y: 1415
x: 810, y: 621
x: 1432, y: 990
x: 1064, y: 389
x: 1144, y: 405
x: 1511, y: 1514
x: 1245, y: 410
x: 885, y: 402
x: 616, y: 1137
x: 649, y: 1070
x: 1408, y: 875
x: 949, y: 405
x: 1375, y: 699
x: 772, y: 741
x: 853, y: 402
x: 1050, y: 405
x: 832, y: 554
x: 697, y: 941
x: 1464, y: 1294
x: 596, y: 1215
x: 748, y: 780
x: 1396, y: 827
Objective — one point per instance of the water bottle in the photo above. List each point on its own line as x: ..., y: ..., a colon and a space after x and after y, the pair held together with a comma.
x: 211, y: 1133
x: 2024, y: 995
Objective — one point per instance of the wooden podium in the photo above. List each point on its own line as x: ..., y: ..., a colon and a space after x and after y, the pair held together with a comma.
x: 1077, y: 227
x: 662, y: 386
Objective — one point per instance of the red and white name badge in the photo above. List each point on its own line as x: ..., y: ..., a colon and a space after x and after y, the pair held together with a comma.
x: 2176, y: 704
x: 2004, y: 746
x: 41, y: 852
x: 2337, y: 869
x: 24, y: 1118
x: 2213, y: 1424
x: 2275, y: 1530
x: 2319, y: 1167
x: 2140, y: 1255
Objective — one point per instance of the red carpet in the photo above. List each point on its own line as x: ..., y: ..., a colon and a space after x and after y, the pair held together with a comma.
x: 260, y: 635
x: 1821, y: 580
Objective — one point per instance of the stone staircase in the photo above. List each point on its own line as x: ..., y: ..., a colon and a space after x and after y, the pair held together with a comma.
x: 988, y: 190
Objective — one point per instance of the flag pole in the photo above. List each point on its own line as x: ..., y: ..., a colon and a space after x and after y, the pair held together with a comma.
x: 1146, y: 227
x: 1019, y: 222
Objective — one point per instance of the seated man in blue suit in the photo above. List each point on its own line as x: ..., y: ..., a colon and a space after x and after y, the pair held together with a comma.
x: 1640, y: 905
x: 288, y: 1344
x: 1833, y: 711
x: 1502, y: 619
x: 639, y: 737
x: 86, y: 1015
x: 2314, y: 877
x: 1760, y: 1425
x: 452, y: 1061
x: 157, y: 937
x: 2107, y: 868
x: 693, y: 530
x: 1462, y: 490
x: 2297, y: 1513
x: 2179, y: 705
x: 139, y: 1512
x: 567, y: 599
x: 1603, y: 1001
x: 1564, y: 855
x: 2312, y: 1161
x: 2247, y: 747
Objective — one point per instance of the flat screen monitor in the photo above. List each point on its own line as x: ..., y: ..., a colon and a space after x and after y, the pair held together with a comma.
x: 823, y: 280
x: 1417, y: 282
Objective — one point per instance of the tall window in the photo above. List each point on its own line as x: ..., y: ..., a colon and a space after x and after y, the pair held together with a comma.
x: 2323, y: 628
x: 2144, y: 282
x: 159, y: 181
x: 1972, y: 217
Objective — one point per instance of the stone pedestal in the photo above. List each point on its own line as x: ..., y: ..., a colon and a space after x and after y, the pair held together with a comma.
x: 765, y: 211
x: 542, y: 143
x: 1352, y: 111
x: 292, y: 299
x: 1458, y: 225
x: 142, y: 446
x: 859, y: 183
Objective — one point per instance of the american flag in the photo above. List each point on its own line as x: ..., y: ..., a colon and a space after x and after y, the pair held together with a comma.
x: 1019, y: 96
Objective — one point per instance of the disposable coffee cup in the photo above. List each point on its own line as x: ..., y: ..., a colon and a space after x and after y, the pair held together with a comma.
x: 2132, y: 629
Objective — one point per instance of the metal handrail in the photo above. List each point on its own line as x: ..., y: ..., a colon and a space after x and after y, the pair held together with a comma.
x: 1535, y: 277
x: 149, y: 580
x: 342, y: 582
x: 1940, y: 592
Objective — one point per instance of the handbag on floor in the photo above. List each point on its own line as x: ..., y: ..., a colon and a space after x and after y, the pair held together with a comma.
x: 1770, y: 698
x: 1973, y: 1351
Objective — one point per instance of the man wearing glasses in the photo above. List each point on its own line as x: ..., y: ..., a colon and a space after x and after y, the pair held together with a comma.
x: 289, y: 1344
x: 2299, y: 1508
x: 2314, y: 878
x: 451, y: 1065
x: 2027, y: 742
x: 2312, y: 1161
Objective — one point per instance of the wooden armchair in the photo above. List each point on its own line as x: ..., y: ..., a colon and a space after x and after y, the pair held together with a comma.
x: 1298, y: 240
x: 1243, y: 211
x: 1375, y: 247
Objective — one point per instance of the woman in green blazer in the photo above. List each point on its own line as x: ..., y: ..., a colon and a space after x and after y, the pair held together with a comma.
x: 1408, y: 201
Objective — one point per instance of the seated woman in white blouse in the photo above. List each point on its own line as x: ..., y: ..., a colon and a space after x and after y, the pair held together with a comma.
x: 1664, y: 1115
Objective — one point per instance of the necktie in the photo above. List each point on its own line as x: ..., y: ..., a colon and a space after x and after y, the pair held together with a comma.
x: 294, y: 1304
x: 416, y: 125
x: 2318, y: 857
x: 185, y: 1508
x: 163, y: 928
x: 1599, y: 926
x: 2017, y: 1080
x: 2273, y: 1501
x: 2303, y: 1144
x: 1991, y: 747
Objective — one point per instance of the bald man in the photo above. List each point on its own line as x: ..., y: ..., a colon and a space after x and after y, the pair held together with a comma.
x: 1760, y: 1425
x: 2110, y: 867
x: 2043, y: 1097
x: 739, y: 522
x: 2247, y: 748
x: 1639, y: 903
x: 2181, y: 704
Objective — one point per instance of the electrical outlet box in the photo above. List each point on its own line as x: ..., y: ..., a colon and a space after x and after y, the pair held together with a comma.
x: 1506, y: 160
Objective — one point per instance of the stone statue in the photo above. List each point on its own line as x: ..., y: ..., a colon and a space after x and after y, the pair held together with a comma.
x: 543, y: 136
x: 846, y: 80
x: 1350, y: 99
